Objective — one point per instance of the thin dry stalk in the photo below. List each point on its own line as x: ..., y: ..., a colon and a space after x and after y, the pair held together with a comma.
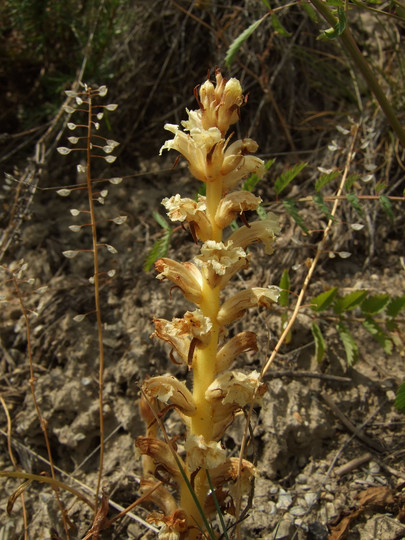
x: 42, y: 421
x: 319, y: 251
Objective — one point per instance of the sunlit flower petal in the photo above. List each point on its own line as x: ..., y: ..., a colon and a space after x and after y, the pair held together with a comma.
x: 258, y: 231
x: 201, y: 454
x: 236, y: 306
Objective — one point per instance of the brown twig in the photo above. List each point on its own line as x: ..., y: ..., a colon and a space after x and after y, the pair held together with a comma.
x: 350, y: 426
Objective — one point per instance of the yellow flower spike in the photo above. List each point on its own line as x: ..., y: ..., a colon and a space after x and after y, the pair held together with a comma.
x: 170, y: 391
x: 194, y: 212
x: 220, y: 260
x: 242, y: 342
x: 160, y: 496
x: 229, y: 472
x: 172, y: 526
x: 220, y: 104
x: 161, y: 456
x: 179, y: 333
x: 185, y: 275
x: 236, y: 306
x: 259, y: 231
x: 202, y: 454
x: 236, y: 388
x: 234, y: 204
x: 173, y: 333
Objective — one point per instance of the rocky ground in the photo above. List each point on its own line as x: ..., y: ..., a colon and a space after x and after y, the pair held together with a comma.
x: 328, y: 440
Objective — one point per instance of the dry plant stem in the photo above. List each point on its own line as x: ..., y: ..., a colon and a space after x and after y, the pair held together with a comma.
x: 364, y: 68
x: 15, y: 464
x: 297, y: 307
x: 56, y: 484
x: 96, y: 300
x: 43, y: 423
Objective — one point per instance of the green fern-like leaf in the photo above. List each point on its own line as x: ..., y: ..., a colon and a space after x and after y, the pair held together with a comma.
x: 354, y: 201
x: 349, y: 344
x: 160, y: 249
x: 320, y: 345
x: 387, y: 206
x: 292, y: 210
x: 400, y: 399
x: 318, y: 200
x: 325, y: 179
x: 378, y: 334
x: 284, y: 179
x: 278, y: 27
x: 239, y: 41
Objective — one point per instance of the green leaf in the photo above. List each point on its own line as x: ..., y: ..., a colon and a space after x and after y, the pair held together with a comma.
x: 338, y: 29
x: 161, y: 220
x: 349, y: 301
x: 278, y: 27
x: 318, y: 200
x: 350, y: 180
x: 395, y: 306
x: 320, y: 345
x: 323, y: 300
x: 354, y: 201
x: 325, y: 179
x: 284, y: 179
x: 375, y: 304
x: 349, y: 344
x: 239, y: 41
x: 267, y: 5
x: 160, y: 249
x: 310, y: 12
x: 291, y: 209
x: 378, y: 334
x: 285, y: 288
x: 387, y: 206
x: 400, y: 399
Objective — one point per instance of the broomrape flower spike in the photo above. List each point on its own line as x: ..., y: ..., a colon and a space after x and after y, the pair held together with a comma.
x: 198, y: 341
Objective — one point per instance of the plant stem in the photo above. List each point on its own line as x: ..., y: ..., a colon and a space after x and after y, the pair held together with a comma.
x: 204, y: 357
x: 96, y: 299
x: 362, y: 64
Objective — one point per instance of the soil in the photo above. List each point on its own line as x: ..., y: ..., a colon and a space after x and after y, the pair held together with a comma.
x: 308, y: 485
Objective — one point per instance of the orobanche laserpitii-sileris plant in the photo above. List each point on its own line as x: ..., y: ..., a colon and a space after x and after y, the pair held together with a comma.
x: 202, y: 480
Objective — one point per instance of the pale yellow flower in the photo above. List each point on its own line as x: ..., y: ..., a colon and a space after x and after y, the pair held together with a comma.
x: 201, y: 454
x: 235, y: 307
